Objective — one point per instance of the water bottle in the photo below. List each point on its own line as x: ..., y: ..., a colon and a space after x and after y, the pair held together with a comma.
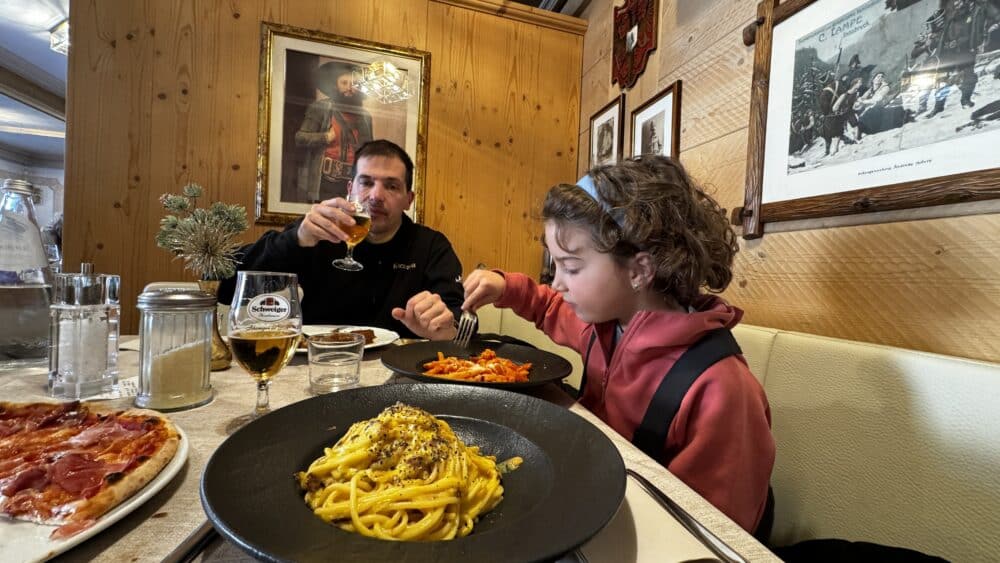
x: 25, y: 281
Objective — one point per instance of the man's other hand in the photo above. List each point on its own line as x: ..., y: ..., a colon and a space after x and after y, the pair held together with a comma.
x: 427, y: 316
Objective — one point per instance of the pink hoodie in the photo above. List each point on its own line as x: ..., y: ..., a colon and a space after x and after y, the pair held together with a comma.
x: 720, y: 442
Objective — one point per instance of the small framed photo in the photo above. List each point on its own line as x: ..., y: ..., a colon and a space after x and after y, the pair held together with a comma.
x: 656, y: 124
x: 313, y: 114
x: 607, y: 133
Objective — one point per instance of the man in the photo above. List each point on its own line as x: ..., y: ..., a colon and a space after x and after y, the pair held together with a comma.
x: 331, y: 132
x: 410, y: 281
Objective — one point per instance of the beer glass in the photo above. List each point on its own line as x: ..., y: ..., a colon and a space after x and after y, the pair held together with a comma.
x: 356, y: 232
x: 265, y: 323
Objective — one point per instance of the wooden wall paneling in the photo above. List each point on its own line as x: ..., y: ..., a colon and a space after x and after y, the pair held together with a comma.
x: 111, y: 147
x: 719, y: 166
x: 495, y: 86
x: 464, y: 196
x: 554, y: 123
x: 931, y: 286
x: 716, y: 90
x: 220, y: 148
x: 689, y: 29
x: 596, y: 91
x: 597, y: 40
x: 171, y: 32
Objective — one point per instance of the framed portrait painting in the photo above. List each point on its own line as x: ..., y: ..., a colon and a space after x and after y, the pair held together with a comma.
x: 656, y: 124
x: 871, y: 105
x: 607, y: 131
x: 313, y: 114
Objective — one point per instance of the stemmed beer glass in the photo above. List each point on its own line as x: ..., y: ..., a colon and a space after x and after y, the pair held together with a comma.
x: 356, y: 232
x: 265, y: 323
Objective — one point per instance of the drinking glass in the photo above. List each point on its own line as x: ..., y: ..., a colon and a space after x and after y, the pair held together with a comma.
x: 356, y: 232
x: 265, y: 324
x: 54, y: 256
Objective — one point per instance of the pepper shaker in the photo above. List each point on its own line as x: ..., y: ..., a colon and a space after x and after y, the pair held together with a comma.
x: 84, y: 317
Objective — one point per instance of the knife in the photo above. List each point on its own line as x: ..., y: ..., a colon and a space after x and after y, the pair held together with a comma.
x: 694, y: 527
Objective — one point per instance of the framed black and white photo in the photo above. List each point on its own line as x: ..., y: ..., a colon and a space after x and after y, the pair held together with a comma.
x: 607, y: 131
x: 872, y: 105
x: 656, y: 124
x: 313, y: 114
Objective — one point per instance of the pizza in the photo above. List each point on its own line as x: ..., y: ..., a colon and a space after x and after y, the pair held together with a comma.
x: 66, y: 464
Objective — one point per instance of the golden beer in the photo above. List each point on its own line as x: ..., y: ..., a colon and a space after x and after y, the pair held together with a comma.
x: 357, y: 232
x: 263, y: 352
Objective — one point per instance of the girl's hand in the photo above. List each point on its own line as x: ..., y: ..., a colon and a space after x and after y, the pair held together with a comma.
x: 482, y: 287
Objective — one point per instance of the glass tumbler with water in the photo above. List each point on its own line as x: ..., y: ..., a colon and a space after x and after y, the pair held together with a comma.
x: 335, y: 361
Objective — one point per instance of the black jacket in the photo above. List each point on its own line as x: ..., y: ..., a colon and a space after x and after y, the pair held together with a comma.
x: 417, y: 258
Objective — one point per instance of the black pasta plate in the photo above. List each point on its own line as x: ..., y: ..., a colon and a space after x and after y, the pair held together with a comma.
x: 409, y: 360
x: 570, y: 485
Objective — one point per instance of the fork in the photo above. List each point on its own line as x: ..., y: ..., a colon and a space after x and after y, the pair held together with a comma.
x: 466, y: 327
x: 467, y: 322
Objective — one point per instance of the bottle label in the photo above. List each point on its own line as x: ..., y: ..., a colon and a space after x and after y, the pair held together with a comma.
x: 269, y: 308
x: 20, y: 244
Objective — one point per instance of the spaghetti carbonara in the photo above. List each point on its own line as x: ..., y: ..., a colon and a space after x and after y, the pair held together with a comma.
x: 403, y: 475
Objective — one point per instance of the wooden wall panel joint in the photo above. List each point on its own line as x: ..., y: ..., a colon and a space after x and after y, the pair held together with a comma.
x: 524, y: 14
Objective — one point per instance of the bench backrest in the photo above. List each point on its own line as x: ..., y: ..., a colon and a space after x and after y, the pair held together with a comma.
x: 881, y: 444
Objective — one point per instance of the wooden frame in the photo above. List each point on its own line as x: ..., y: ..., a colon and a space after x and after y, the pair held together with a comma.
x: 635, y: 31
x: 663, y: 109
x: 906, y: 184
x: 607, y: 133
x: 294, y: 168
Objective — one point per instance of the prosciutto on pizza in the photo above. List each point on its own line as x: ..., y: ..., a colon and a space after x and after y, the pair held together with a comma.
x: 66, y: 464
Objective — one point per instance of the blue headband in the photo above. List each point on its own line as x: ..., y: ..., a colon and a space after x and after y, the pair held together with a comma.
x: 587, y: 185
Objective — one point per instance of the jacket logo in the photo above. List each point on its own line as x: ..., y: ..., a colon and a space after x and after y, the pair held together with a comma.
x: 404, y: 266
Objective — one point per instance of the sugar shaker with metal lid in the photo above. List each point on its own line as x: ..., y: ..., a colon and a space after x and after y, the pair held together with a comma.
x: 175, y: 346
x: 84, y: 325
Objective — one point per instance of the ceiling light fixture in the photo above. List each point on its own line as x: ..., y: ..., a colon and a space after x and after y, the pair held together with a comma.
x: 59, y: 37
x: 32, y: 131
x: 383, y: 81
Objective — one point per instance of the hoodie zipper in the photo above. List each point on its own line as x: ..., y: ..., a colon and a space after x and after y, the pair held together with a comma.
x: 608, y: 370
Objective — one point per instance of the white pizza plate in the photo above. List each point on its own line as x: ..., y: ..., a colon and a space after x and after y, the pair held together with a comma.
x: 383, y: 337
x: 29, y: 542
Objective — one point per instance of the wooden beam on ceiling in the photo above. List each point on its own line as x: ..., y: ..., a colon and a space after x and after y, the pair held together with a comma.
x: 30, y: 93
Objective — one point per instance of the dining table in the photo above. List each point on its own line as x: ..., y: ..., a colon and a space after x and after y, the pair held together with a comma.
x: 172, y: 525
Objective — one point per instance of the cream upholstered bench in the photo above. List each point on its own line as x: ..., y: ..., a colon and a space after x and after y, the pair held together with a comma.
x: 881, y: 444
x: 874, y: 443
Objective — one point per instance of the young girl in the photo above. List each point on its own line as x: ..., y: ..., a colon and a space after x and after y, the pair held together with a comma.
x: 633, y: 245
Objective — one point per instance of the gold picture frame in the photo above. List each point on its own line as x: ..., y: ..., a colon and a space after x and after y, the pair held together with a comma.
x: 295, y: 166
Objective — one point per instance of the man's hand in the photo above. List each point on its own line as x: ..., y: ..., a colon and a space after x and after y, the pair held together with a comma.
x: 482, y: 287
x: 330, y: 135
x: 427, y: 316
x: 324, y: 220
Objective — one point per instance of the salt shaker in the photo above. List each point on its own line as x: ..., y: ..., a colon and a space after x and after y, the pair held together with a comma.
x: 175, y: 346
x: 84, y: 317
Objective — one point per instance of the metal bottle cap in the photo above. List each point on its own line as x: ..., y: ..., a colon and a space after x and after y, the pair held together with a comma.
x: 175, y: 299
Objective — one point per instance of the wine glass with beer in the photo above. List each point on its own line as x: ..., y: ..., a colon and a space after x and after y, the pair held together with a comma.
x: 356, y: 232
x: 265, y: 323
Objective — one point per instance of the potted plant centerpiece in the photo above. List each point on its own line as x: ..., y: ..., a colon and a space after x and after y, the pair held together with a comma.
x: 207, y: 238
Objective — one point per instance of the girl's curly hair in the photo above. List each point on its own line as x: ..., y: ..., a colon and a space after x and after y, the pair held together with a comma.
x: 661, y: 211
